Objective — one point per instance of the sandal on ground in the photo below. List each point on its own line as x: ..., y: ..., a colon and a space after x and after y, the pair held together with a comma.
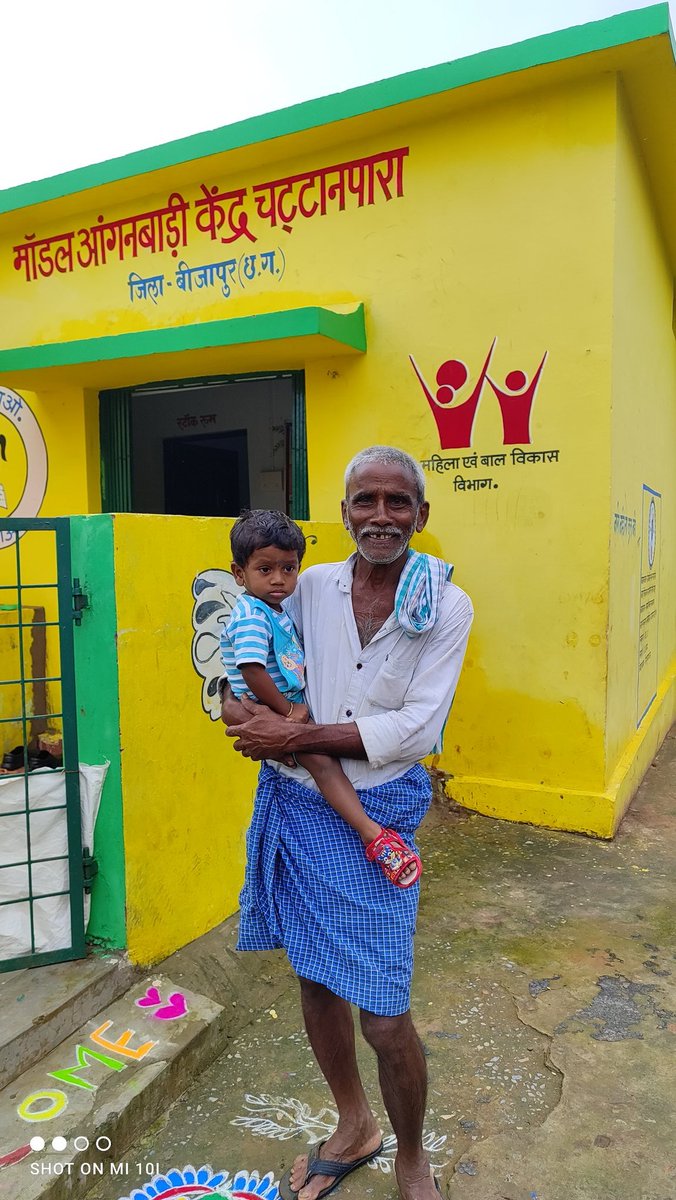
x: 393, y: 856
x: 324, y: 1166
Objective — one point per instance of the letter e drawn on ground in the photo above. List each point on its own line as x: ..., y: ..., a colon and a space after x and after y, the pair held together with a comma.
x: 214, y: 595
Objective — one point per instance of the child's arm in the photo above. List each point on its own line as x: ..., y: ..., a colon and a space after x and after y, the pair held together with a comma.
x: 259, y: 682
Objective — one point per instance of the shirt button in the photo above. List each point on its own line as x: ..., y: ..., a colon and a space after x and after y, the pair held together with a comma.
x: 359, y: 666
x: 348, y: 712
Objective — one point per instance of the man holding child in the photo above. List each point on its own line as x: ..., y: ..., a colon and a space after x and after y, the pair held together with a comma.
x: 384, y: 637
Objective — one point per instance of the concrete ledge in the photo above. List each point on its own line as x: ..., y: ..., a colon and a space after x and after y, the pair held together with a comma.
x: 554, y: 808
x: 642, y: 748
x: 42, y: 1006
x: 595, y: 813
x: 108, y: 1081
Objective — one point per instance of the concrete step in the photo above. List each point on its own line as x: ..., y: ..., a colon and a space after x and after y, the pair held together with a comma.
x: 42, y: 1006
x: 101, y: 1087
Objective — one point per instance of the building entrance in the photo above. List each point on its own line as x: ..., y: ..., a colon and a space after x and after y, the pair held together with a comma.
x: 206, y: 447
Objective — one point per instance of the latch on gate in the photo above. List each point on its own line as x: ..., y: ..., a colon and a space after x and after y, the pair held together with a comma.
x: 90, y: 869
x: 80, y: 601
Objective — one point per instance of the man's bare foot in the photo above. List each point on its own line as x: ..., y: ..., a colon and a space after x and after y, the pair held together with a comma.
x: 415, y: 1180
x: 340, y: 1147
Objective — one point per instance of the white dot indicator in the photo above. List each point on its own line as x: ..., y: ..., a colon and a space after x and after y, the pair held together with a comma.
x: 81, y: 1143
x: 59, y: 1143
x: 37, y: 1143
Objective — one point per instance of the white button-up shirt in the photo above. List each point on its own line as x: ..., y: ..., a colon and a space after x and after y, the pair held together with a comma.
x: 398, y: 689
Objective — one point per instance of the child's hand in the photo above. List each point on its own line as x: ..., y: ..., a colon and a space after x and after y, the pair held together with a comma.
x: 300, y: 713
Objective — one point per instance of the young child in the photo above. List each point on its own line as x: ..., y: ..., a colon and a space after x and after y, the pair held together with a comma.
x: 263, y: 659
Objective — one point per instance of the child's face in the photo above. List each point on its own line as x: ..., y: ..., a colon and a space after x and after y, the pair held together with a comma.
x: 270, y: 574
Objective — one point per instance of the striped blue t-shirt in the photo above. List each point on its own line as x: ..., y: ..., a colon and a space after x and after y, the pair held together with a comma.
x: 248, y: 638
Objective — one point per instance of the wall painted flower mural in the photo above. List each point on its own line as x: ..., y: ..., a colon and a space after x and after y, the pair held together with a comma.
x: 214, y: 594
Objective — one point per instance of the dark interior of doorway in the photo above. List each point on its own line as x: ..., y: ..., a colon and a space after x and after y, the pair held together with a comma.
x: 220, y: 461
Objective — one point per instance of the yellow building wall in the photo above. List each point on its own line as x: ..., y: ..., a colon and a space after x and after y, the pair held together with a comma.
x: 509, y: 241
x: 187, y: 795
x: 642, y: 613
x: 501, y: 243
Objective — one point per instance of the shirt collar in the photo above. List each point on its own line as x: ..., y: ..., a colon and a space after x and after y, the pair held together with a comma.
x: 347, y: 574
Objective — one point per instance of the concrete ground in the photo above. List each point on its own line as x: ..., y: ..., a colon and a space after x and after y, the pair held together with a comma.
x: 546, y: 1001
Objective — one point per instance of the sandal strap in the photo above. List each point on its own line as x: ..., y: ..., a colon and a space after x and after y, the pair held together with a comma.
x: 392, y: 855
x: 324, y: 1166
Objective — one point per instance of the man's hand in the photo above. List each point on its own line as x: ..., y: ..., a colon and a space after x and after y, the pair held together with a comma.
x: 232, y: 712
x: 259, y: 732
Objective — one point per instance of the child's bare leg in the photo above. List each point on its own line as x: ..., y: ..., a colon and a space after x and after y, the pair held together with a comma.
x: 339, y: 793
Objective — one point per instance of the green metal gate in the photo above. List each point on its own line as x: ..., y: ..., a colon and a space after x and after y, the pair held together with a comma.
x: 39, y: 604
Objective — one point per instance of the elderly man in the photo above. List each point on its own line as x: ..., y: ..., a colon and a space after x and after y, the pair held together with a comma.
x: 385, y: 635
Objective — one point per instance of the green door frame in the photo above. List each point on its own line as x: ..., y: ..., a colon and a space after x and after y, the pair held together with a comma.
x: 116, y: 441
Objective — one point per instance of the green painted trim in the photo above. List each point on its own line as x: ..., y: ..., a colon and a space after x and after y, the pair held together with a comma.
x: 346, y: 328
x: 98, y: 718
x: 414, y: 85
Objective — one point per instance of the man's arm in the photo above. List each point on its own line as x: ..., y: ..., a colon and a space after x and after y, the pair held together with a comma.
x: 407, y: 733
x: 261, y: 733
x: 411, y: 732
x: 246, y: 717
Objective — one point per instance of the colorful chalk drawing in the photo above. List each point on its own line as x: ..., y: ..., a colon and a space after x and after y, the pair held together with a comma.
x: 175, y: 1007
x: 15, y: 1156
x: 214, y: 594
x: 243, y: 1185
x: 455, y: 422
x: 22, y: 448
x: 285, y: 1117
x: 32, y: 1107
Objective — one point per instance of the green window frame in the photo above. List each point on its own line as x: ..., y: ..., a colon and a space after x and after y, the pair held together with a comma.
x: 115, y: 413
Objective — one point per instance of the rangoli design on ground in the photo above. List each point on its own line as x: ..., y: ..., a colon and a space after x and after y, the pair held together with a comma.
x: 285, y: 1117
x: 192, y: 1183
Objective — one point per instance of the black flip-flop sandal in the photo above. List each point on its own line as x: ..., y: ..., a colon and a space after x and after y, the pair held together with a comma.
x: 324, y: 1166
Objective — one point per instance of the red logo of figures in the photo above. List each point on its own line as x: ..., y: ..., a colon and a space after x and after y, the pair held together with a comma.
x: 455, y: 422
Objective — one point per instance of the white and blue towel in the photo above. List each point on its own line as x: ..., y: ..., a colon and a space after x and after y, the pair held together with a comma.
x: 419, y: 592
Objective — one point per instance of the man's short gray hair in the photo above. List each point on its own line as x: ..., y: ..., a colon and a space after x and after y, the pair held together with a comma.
x: 392, y: 457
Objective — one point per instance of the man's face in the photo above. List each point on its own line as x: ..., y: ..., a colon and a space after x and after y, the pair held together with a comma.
x: 381, y: 511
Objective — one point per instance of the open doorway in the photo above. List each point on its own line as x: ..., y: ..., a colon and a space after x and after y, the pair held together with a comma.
x: 220, y: 461
x: 206, y: 447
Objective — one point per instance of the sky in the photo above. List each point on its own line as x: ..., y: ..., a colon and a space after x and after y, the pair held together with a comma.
x: 85, y: 81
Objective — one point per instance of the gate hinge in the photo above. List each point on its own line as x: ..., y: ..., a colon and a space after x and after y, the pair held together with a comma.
x: 80, y: 601
x: 90, y: 869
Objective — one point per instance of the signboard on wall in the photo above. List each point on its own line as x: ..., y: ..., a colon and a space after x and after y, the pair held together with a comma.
x: 454, y: 403
x: 648, y: 624
x: 214, y: 243
x: 23, y: 462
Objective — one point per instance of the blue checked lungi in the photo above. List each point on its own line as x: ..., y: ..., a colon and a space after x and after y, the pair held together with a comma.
x: 310, y: 889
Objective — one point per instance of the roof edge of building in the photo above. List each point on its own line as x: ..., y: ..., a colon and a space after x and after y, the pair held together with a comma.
x: 618, y: 30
